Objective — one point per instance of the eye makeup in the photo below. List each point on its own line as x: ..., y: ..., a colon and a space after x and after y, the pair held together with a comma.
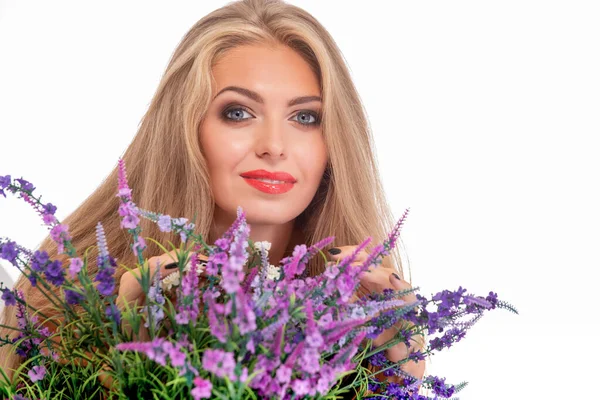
x: 223, y: 115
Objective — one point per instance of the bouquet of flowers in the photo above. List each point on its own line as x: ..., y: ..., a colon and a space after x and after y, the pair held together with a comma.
x: 251, y: 330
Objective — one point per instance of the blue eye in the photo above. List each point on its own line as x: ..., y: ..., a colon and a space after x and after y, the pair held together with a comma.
x: 238, y: 111
x: 236, y: 114
x: 316, y: 118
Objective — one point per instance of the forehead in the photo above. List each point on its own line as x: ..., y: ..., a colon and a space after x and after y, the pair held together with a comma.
x: 266, y: 69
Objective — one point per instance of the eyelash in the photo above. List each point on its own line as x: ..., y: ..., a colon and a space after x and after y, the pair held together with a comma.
x: 224, y: 117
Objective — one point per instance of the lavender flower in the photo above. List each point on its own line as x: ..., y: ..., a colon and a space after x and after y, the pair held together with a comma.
x: 74, y: 267
x: 189, y: 296
x: 8, y: 251
x: 60, y: 234
x: 39, y: 261
x: 37, y: 373
x: 73, y: 297
x: 219, y: 362
x: 164, y: 223
x: 8, y: 297
x: 202, y: 389
x: 232, y: 269
x: 4, y: 183
x: 54, y: 273
x: 162, y: 351
x: 155, y: 300
x: 113, y: 313
x: 106, y: 265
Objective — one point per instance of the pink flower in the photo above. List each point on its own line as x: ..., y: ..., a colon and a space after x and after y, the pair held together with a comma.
x: 202, y: 389
x: 75, y: 267
x: 37, y: 373
x: 219, y: 362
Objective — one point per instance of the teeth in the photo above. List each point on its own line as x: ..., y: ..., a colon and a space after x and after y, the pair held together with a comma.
x: 269, y: 181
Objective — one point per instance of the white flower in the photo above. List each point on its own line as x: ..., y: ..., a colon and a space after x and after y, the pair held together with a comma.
x: 174, y: 279
x: 171, y: 281
x: 264, y: 246
x: 273, y: 272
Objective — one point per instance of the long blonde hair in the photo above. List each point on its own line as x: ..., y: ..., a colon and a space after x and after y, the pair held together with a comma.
x: 167, y: 170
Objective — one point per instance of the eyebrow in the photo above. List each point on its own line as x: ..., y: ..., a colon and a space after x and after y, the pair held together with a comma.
x: 257, y: 97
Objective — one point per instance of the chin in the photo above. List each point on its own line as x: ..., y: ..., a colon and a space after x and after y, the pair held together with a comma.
x: 267, y: 213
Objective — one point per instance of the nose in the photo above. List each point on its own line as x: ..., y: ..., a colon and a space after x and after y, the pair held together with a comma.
x: 270, y: 141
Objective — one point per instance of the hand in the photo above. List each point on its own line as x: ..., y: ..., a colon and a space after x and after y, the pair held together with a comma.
x: 130, y: 290
x: 376, y: 280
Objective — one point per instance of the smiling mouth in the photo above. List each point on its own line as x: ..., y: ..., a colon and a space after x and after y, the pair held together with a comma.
x: 269, y: 186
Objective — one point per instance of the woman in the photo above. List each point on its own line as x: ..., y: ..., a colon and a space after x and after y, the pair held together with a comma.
x: 258, y: 85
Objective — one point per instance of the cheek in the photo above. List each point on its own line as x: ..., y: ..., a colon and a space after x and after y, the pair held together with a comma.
x: 314, y: 159
x: 223, y: 152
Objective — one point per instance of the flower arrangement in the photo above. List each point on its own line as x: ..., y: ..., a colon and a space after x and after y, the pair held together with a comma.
x: 251, y: 330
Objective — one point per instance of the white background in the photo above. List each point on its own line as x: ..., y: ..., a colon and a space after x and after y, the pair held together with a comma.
x: 485, y: 116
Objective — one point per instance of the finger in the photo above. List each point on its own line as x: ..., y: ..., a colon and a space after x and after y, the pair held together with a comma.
x: 400, y: 284
x: 340, y: 252
x: 130, y: 288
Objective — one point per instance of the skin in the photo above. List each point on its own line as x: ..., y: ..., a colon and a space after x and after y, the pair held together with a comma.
x: 276, y: 137
x: 271, y: 136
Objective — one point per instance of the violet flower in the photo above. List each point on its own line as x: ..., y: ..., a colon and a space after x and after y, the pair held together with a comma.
x: 162, y: 351
x: 202, y: 389
x: 219, y: 362
x: 37, y: 373
x: 129, y: 212
x: 8, y: 297
x: 154, y: 310
x: 188, y: 303
x: 106, y: 265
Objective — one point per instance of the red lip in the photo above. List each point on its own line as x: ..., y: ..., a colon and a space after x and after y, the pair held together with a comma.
x: 276, y: 176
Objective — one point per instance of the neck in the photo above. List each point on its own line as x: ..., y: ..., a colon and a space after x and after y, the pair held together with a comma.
x: 283, y: 237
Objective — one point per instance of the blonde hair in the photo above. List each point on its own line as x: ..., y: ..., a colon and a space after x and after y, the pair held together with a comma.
x: 167, y: 170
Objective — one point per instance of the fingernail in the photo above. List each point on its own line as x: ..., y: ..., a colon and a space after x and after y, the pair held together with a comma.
x: 171, y: 266
x: 334, y: 251
x: 396, y: 276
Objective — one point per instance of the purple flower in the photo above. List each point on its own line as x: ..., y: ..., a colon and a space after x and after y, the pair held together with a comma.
x: 49, y: 208
x: 202, y: 389
x: 138, y: 246
x: 25, y: 185
x: 4, y: 182
x: 189, y: 296
x: 106, y: 264
x: 113, y: 313
x: 130, y: 221
x: 73, y: 297
x: 8, y: 297
x: 378, y: 359
x: 395, y: 234
x: 39, y: 261
x: 219, y: 362
x: 156, y: 299
x: 37, y: 373
x: 440, y: 388
x: 301, y: 387
x: 75, y: 266
x: 54, y: 273
x: 124, y: 190
x: 159, y: 350
x: 59, y: 234
x: 8, y: 251
x: 164, y: 223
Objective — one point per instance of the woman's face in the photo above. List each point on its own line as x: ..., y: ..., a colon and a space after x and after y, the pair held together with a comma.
x: 270, y: 122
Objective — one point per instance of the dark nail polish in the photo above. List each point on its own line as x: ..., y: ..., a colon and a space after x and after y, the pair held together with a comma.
x: 334, y: 251
x: 396, y: 276
x: 171, y: 266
